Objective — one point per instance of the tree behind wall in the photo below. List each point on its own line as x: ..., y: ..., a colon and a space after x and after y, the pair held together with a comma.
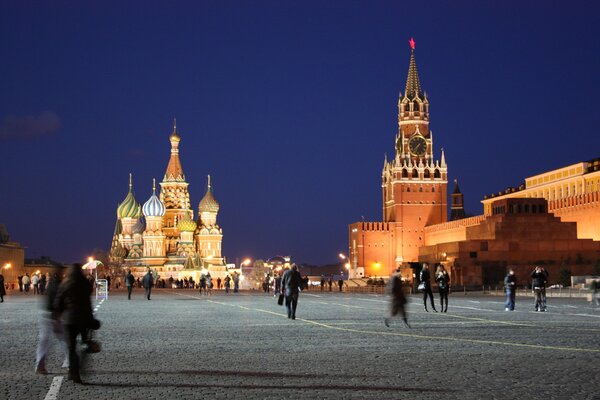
x: 564, y: 276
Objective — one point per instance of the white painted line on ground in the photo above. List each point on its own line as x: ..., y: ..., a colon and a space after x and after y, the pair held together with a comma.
x: 474, y: 301
x: 587, y: 315
x: 309, y: 294
x: 54, y: 388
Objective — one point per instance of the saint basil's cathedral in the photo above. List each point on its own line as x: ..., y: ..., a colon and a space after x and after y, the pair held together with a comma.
x: 162, y: 234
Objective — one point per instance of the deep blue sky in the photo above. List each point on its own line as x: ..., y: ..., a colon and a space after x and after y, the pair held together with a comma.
x: 290, y: 106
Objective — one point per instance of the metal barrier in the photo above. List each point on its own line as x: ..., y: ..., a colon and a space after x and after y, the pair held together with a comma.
x: 101, y: 289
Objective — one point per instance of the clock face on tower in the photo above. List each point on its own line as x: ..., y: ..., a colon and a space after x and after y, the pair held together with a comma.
x: 417, y: 145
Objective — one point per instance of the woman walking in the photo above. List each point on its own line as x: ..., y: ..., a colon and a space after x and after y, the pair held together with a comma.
x: 425, y: 278
x: 443, y: 280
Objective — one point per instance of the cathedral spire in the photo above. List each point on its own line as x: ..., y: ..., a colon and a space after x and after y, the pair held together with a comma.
x: 413, y: 85
x: 174, y: 170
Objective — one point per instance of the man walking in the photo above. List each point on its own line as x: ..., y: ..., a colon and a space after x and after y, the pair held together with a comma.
x: 291, y: 281
x: 425, y: 278
x: 538, y: 284
x: 398, y: 299
x: 129, y: 281
x: 148, y: 283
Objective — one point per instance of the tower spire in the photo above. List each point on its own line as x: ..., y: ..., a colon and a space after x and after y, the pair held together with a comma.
x: 208, y: 182
x: 154, y: 185
x: 413, y: 85
x: 174, y: 125
x: 130, y: 182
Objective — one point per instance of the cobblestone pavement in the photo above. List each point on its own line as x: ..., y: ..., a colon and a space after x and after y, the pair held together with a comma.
x: 181, y: 345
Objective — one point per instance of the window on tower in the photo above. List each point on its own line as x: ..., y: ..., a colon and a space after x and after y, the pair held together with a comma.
x: 415, y: 173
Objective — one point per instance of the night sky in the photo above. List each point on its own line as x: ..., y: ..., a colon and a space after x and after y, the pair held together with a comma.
x: 289, y: 106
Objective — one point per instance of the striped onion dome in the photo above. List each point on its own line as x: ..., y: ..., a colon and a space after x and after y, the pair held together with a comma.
x: 186, y: 224
x: 129, y: 208
x: 208, y: 202
x: 154, y: 207
x: 139, y: 226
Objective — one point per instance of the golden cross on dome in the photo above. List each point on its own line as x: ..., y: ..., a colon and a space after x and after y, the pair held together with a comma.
x: 412, y: 43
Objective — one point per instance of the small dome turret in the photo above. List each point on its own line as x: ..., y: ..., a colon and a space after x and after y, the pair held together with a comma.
x: 129, y: 208
x: 186, y: 224
x: 208, y: 202
x: 154, y: 207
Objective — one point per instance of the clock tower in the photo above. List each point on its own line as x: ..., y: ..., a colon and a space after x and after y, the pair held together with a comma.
x: 414, y: 183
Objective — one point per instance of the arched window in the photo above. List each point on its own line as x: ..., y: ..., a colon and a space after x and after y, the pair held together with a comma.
x: 404, y: 173
x: 427, y: 174
x: 436, y: 173
x: 416, y: 106
x: 415, y: 174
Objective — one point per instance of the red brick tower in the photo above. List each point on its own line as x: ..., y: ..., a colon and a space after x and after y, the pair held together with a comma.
x: 414, y: 189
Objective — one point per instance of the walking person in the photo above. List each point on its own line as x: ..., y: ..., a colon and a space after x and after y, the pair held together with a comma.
x: 75, y: 307
x: 510, y: 286
x: 425, y: 278
x: 398, y: 303
x: 291, y: 281
x: 443, y: 280
x: 42, y: 284
x: 50, y: 323
x: 538, y: 284
x: 148, y: 283
x: 2, y: 289
x: 341, y: 283
x: 227, y: 284
x: 129, y: 282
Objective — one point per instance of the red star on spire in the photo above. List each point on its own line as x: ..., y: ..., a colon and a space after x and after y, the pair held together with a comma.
x: 412, y: 43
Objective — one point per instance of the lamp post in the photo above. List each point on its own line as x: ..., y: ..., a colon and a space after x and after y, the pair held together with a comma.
x: 6, y: 267
x: 346, y: 264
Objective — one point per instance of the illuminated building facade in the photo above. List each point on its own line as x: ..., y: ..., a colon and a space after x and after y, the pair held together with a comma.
x: 163, y: 234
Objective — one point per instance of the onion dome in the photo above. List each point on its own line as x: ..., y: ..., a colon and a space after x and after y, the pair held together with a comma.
x: 186, y: 224
x: 208, y: 202
x: 153, y: 207
x: 139, y: 226
x: 129, y: 208
x: 119, y: 251
x: 174, y: 136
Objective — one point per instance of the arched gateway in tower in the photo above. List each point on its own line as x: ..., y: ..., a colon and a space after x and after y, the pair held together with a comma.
x: 414, y: 191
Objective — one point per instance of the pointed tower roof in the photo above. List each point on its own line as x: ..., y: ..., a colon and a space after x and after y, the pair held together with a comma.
x: 413, y: 85
x: 456, y: 188
x: 208, y: 202
x: 174, y: 171
x: 129, y: 208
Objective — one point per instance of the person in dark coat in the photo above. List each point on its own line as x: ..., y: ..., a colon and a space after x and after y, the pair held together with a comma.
x: 425, y: 278
x: 398, y: 299
x: 510, y: 287
x: 538, y: 284
x: 2, y: 289
x: 443, y: 281
x: 341, y: 283
x: 291, y: 281
x: 74, y: 306
x: 148, y: 283
x: 129, y: 282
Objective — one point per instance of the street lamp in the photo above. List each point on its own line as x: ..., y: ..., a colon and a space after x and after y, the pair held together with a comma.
x: 346, y: 263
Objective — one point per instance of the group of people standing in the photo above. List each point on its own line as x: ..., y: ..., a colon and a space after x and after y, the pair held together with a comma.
x: 539, y: 280
x: 443, y: 283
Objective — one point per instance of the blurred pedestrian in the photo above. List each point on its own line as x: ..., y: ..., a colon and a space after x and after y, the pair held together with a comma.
x: 227, y: 284
x: 291, y: 282
x: 75, y: 307
x: 218, y: 283
x: 50, y: 323
x: 20, y: 280
x: 129, y: 282
x: 35, y: 280
x: 42, y: 284
x: 510, y: 287
x: 425, y: 279
x: 322, y: 282
x: 2, y: 289
x: 443, y: 280
x: 341, y: 283
x: 26, y: 282
x: 398, y: 303
x: 148, y: 283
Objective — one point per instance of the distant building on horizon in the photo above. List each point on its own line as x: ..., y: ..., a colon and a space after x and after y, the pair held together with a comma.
x: 163, y: 235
